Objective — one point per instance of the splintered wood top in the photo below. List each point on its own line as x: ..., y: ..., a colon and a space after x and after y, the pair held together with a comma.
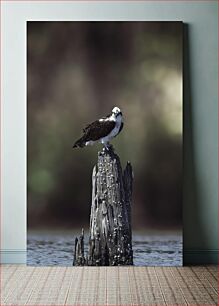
x: 21, y: 285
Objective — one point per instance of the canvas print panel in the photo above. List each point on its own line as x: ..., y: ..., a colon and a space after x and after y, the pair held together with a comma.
x: 101, y: 94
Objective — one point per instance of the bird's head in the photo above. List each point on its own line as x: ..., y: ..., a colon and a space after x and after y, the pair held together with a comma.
x: 116, y: 111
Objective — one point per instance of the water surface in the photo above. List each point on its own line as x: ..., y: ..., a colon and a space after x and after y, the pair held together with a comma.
x: 163, y: 248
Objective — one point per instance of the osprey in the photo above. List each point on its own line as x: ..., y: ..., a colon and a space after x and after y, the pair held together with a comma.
x: 102, y: 130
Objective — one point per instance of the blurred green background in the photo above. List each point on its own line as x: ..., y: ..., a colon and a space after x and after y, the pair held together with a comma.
x: 77, y: 72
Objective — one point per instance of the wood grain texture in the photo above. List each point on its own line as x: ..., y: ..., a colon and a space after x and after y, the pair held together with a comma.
x: 110, y: 239
x: 109, y: 286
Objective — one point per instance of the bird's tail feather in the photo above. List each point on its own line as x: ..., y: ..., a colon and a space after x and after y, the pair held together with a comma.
x: 80, y: 143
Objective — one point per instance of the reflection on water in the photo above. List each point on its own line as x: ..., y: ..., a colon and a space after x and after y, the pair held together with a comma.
x: 151, y: 249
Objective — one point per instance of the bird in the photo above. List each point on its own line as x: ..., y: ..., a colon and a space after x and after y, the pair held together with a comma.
x: 102, y: 130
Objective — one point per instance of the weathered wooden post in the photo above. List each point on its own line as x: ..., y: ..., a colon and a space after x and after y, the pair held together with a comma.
x: 110, y: 240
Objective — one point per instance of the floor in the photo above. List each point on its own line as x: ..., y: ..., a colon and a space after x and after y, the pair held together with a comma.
x: 23, y: 285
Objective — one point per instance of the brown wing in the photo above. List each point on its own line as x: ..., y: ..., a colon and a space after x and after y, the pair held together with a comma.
x: 91, y: 124
x: 98, y: 129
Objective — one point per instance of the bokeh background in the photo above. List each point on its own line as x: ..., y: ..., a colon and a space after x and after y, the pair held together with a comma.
x: 77, y: 72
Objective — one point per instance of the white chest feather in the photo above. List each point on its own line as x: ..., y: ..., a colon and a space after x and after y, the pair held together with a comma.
x: 115, y: 130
